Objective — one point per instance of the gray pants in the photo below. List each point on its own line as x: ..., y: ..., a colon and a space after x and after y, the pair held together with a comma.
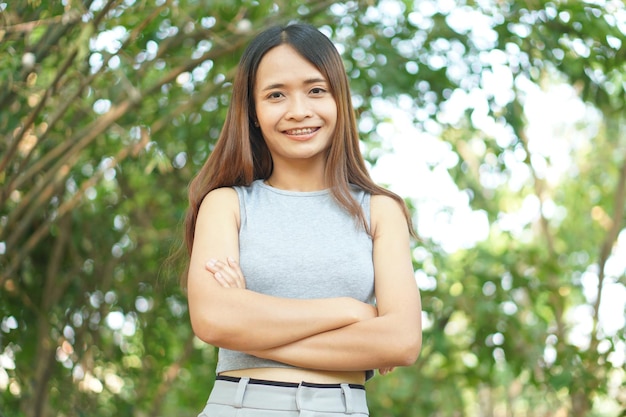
x: 245, y: 397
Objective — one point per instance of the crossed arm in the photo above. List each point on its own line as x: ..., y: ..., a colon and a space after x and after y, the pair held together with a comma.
x: 340, y: 334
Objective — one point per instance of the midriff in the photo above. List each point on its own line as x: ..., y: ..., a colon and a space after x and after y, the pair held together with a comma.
x: 299, y: 375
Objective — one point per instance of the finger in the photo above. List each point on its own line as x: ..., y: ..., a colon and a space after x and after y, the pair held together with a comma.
x: 211, y: 265
x: 233, y: 277
x: 220, y: 280
x: 229, y: 276
x: 385, y: 371
x: 224, y: 275
x: 230, y: 272
x: 216, y: 266
x: 241, y: 280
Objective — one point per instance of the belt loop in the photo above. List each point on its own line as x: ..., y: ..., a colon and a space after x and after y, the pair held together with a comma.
x: 241, y: 390
x: 347, y: 394
x: 299, y: 393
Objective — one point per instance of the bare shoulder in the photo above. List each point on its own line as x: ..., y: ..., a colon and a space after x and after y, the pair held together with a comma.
x: 383, y: 206
x: 220, y: 202
x: 222, y: 195
x: 386, y: 214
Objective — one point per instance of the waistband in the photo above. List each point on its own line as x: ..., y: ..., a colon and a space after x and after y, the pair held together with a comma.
x: 254, y: 381
x: 288, y: 396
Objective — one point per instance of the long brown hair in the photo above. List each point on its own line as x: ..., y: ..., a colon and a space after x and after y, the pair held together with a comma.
x: 241, y: 156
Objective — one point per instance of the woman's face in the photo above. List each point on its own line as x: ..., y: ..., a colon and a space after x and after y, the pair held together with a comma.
x: 295, y: 109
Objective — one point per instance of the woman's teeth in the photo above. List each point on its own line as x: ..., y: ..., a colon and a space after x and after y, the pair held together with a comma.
x: 296, y: 132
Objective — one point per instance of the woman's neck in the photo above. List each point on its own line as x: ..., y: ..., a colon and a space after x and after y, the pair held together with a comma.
x: 296, y: 181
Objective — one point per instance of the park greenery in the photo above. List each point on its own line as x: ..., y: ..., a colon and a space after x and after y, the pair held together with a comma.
x: 109, y: 107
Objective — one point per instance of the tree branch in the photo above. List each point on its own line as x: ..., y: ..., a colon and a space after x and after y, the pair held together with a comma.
x: 63, y: 209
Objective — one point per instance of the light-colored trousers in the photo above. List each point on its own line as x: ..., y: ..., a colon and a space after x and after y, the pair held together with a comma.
x: 245, y: 397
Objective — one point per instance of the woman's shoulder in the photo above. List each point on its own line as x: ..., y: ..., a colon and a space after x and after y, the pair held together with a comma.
x: 222, y: 194
x: 383, y: 204
x: 385, y: 210
x: 220, y: 199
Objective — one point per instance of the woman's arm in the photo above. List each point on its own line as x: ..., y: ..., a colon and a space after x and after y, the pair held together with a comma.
x: 394, y: 337
x: 236, y: 318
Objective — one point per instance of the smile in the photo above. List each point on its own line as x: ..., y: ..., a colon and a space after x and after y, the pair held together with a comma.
x: 303, y: 131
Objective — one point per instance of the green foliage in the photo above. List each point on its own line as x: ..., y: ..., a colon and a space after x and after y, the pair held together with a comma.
x: 108, y: 108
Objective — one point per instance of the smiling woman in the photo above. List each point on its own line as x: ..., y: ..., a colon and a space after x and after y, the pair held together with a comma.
x: 300, y: 268
x: 296, y: 113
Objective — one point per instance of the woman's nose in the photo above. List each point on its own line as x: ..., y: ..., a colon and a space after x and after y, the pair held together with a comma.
x: 299, y: 108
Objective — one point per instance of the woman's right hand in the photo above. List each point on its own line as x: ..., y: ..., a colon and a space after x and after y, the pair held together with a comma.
x: 228, y: 274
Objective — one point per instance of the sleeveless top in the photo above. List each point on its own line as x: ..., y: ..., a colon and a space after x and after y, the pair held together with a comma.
x: 300, y: 245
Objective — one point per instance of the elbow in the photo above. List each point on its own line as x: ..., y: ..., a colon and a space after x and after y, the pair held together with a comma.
x: 204, y: 332
x: 210, y: 332
x: 406, y: 352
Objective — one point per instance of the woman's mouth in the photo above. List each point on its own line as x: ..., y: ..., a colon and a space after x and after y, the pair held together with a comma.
x: 301, y: 131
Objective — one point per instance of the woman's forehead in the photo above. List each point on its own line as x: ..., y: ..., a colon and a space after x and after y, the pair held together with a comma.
x: 282, y: 66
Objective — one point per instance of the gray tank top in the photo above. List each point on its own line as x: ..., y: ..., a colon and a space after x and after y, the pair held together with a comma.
x: 300, y: 245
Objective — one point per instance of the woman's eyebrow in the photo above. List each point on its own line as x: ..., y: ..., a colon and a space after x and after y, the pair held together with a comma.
x: 308, y: 81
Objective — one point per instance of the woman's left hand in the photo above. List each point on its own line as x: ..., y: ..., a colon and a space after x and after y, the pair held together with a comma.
x: 385, y: 371
x: 228, y: 274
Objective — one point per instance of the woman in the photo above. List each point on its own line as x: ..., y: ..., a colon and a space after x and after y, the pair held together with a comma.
x: 289, y: 237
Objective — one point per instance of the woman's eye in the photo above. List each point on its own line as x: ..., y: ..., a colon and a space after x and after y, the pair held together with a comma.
x: 275, y: 95
x: 318, y: 90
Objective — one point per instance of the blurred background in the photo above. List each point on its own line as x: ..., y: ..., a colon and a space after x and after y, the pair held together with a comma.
x: 502, y: 123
